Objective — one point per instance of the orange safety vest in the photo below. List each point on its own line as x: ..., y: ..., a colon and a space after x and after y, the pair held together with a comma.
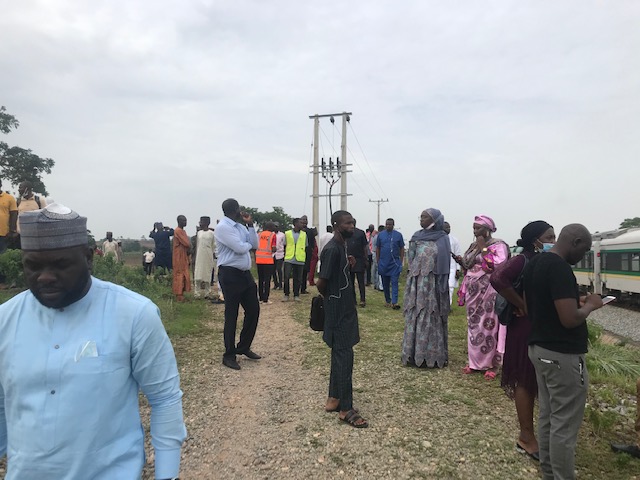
x: 264, y: 254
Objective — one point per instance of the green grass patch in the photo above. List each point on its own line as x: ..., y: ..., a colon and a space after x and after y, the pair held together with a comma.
x: 441, y: 392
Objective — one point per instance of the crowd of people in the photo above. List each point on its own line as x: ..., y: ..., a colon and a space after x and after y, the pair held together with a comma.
x: 537, y: 342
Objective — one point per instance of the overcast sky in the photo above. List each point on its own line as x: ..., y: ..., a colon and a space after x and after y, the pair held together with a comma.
x: 518, y: 110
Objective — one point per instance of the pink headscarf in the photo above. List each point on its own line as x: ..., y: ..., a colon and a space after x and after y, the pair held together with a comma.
x: 485, y: 221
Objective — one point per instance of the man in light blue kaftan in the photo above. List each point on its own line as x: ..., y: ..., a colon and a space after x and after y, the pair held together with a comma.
x: 74, y: 352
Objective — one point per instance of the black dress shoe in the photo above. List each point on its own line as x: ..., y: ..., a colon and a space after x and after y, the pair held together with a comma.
x: 632, y: 450
x: 231, y: 363
x: 252, y: 355
x: 304, y: 292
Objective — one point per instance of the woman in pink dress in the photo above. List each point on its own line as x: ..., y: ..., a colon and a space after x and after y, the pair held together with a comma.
x: 486, y: 336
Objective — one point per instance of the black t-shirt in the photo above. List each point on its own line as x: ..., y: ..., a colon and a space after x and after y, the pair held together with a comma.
x: 311, y: 238
x: 356, y: 247
x: 548, y: 277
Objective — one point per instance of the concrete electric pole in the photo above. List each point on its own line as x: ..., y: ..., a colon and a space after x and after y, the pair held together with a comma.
x: 315, y: 169
x: 378, y: 202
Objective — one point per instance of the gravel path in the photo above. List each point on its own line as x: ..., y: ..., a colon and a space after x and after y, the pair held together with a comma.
x: 267, y: 421
x: 620, y: 321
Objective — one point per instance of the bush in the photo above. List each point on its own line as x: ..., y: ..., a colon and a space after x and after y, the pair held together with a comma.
x: 133, y: 278
x: 11, y: 268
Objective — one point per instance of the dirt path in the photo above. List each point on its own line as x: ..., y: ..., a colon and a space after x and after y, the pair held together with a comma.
x: 251, y: 423
x: 267, y: 421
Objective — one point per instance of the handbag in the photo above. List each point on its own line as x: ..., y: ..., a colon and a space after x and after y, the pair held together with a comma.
x: 316, y: 316
x: 503, y: 308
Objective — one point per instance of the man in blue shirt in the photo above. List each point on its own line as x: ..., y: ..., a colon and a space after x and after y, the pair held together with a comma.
x: 390, y: 258
x: 74, y: 352
x: 235, y: 242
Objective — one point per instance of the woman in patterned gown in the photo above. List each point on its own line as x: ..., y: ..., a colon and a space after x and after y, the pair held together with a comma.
x: 426, y: 299
x: 486, y: 336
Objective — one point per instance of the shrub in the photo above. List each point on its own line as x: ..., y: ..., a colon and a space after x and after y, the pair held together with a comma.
x: 11, y: 268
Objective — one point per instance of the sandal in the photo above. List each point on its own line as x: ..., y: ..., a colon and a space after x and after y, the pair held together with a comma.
x: 388, y: 305
x: 467, y: 370
x: 363, y: 304
x: 395, y: 306
x: 354, y: 419
x: 490, y: 375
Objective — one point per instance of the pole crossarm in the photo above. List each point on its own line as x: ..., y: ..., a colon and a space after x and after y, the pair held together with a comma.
x: 330, y: 115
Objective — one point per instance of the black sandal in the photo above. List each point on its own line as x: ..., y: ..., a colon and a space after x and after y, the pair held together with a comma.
x: 352, y: 417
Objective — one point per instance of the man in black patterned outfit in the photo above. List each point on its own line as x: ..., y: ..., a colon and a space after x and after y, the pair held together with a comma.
x: 341, y: 318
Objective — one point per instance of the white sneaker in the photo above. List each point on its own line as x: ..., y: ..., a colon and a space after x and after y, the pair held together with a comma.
x: 286, y: 298
x: 297, y: 299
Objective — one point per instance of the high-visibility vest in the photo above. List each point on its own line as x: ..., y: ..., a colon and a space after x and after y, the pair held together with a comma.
x: 299, y: 249
x: 264, y: 254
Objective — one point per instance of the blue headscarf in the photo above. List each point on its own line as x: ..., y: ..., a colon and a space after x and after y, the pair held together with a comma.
x: 438, y: 235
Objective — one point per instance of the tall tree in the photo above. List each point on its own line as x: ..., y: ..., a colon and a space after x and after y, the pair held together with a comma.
x: 630, y: 222
x: 19, y: 164
x: 276, y: 215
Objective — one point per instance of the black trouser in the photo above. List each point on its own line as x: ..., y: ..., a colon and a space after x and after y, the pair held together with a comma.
x: 360, y: 277
x: 277, y: 273
x: 238, y: 288
x: 341, y: 376
x: 147, y: 268
x: 265, y: 272
x: 296, y: 270
x: 370, y: 259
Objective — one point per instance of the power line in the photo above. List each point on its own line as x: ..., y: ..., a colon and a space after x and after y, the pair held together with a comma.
x: 361, y: 169
x: 365, y: 156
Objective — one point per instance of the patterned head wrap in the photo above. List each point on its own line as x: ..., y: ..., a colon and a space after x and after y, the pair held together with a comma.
x: 485, y: 221
x: 51, y: 228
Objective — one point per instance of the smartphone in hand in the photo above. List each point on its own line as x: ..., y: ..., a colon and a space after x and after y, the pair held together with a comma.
x: 607, y: 299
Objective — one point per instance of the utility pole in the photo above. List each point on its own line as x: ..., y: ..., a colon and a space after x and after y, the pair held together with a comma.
x: 315, y: 218
x: 378, y: 202
x: 343, y: 149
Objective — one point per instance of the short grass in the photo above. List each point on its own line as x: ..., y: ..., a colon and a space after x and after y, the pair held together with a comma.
x: 378, y: 373
x: 378, y: 368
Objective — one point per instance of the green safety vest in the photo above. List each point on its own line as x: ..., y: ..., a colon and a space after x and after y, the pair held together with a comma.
x: 299, y: 249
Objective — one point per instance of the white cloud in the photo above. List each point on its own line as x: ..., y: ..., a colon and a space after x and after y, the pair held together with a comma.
x: 152, y: 109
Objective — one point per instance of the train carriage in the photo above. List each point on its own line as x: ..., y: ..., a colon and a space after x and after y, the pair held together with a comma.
x: 613, y: 264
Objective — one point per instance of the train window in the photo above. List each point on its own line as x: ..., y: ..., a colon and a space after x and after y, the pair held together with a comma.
x: 586, y: 262
x: 613, y: 262
x: 624, y: 262
x: 635, y: 262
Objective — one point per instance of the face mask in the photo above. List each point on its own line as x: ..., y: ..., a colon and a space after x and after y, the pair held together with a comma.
x: 546, y: 247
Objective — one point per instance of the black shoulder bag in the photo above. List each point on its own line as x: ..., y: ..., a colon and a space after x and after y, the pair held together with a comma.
x: 503, y: 308
x: 316, y: 316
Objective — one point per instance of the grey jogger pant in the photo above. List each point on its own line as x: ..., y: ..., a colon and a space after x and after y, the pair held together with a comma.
x: 563, y: 382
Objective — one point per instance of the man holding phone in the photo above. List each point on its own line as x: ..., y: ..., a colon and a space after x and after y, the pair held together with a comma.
x: 235, y: 241
x: 557, y: 348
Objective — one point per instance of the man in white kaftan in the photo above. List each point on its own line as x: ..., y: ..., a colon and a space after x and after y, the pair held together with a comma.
x: 454, y: 268
x: 205, y: 245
